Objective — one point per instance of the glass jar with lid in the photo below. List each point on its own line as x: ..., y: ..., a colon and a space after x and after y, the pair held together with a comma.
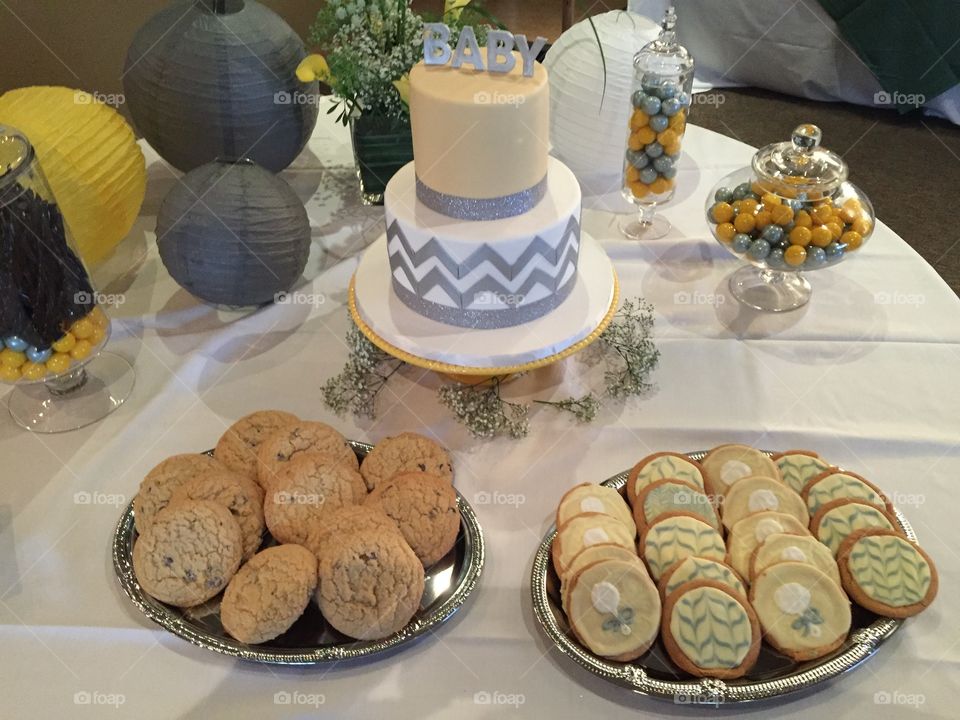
x: 660, y: 104
x: 793, y: 210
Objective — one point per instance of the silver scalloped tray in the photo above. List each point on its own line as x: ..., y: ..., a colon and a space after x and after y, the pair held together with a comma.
x: 311, y: 641
x: 654, y: 674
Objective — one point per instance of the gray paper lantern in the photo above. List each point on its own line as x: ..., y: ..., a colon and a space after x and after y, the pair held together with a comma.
x: 233, y: 234
x: 208, y: 79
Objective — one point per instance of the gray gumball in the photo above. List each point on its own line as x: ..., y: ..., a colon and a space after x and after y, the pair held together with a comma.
x: 637, y: 98
x: 723, y: 195
x: 638, y: 159
x: 648, y: 175
x: 670, y: 173
x: 662, y: 164
x: 741, y: 243
x: 659, y: 123
x: 650, y: 105
x: 759, y: 249
x: 775, y: 258
x: 654, y: 150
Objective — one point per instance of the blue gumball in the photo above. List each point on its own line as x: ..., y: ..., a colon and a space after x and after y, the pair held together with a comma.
x: 38, y: 356
x: 759, y: 249
x: 795, y: 204
x: 741, y: 243
x: 659, y: 123
x: 669, y: 173
x: 654, y: 150
x: 650, y: 105
x: 772, y: 234
x: 637, y: 98
x: 670, y: 107
x: 834, y: 251
x: 648, y: 175
x: 638, y: 159
x: 662, y: 164
x: 668, y: 90
x: 775, y: 259
x: 741, y: 191
x: 816, y: 256
x: 17, y: 344
x: 684, y: 99
x: 723, y: 194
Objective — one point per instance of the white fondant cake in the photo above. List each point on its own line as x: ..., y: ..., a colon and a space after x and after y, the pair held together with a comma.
x: 491, y: 240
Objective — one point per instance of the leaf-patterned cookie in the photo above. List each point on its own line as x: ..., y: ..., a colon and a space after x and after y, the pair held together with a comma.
x: 661, y: 466
x: 840, y: 518
x: 838, y: 484
x: 667, y: 496
x: 886, y: 573
x: 797, y: 469
x: 708, y: 630
x: 674, y: 537
x: 697, y: 568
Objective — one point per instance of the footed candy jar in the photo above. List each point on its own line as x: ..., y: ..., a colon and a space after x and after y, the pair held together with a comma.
x: 51, y: 329
x: 663, y: 78
x: 792, y: 211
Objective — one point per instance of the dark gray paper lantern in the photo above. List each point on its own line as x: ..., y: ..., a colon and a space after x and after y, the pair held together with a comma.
x: 208, y: 79
x: 233, y: 234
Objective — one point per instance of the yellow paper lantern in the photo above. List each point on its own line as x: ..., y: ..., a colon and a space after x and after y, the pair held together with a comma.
x: 90, y: 157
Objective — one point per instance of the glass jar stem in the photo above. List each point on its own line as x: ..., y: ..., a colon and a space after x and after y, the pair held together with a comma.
x: 67, y: 384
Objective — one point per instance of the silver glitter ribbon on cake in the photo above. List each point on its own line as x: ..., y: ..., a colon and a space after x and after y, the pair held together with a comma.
x: 479, y: 209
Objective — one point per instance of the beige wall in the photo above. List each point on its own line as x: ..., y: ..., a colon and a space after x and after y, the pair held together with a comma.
x: 82, y: 43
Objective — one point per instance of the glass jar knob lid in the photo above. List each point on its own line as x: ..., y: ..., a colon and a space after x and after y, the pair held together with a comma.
x: 664, y: 55
x: 801, y: 164
x: 15, y: 152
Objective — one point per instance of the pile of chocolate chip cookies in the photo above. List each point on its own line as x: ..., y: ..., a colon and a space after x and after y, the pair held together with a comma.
x: 353, y: 536
x: 737, y: 548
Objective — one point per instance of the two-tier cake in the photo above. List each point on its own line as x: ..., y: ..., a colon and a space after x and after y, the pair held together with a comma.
x: 483, y: 228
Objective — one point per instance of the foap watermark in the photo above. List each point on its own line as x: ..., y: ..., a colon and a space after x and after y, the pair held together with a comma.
x: 700, y: 698
x: 896, y: 697
x: 285, y: 497
x: 708, y: 98
x: 114, y: 100
x: 495, y: 298
x: 96, y: 697
x: 299, y: 298
x: 283, y: 97
x: 900, y: 298
x: 497, y: 98
x: 499, y: 498
x: 898, y: 98
x: 495, y: 697
x: 99, y: 498
x: 913, y: 499
x: 685, y: 297
x: 314, y: 700
x: 108, y: 299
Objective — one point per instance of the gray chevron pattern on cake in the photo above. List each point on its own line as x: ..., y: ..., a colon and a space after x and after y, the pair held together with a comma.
x: 435, y: 278
x: 433, y: 250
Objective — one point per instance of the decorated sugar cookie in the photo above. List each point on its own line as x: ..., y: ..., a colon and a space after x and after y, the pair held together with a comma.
x: 751, y: 532
x: 837, y: 484
x: 804, y: 614
x: 782, y: 547
x: 584, y: 530
x: 886, y: 573
x: 589, y: 556
x: 661, y: 466
x: 798, y: 467
x: 726, y: 464
x: 588, y: 498
x: 614, y: 609
x: 670, y: 496
x: 697, y: 568
x: 675, y: 536
x: 710, y: 631
x: 761, y: 494
x: 837, y: 520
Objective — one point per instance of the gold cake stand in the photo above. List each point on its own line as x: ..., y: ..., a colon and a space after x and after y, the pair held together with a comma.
x: 476, y: 375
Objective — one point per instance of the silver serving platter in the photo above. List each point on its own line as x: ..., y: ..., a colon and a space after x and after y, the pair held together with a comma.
x: 654, y: 674
x: 311, y: 641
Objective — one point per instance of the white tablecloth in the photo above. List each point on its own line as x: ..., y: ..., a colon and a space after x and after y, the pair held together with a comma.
x: 868, y: 374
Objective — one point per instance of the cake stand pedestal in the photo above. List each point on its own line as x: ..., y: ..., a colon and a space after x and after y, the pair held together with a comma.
x: 473, y: 356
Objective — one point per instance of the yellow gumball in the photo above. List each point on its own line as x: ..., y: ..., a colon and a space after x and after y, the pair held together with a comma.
x: 59, y: 362
x: 821, y: 236
x: 749, y: 206
x: 9, y: 374
x: 639, y: 189
x: 861, y: 225
x: 836, y: 230
x: 795, y: 255
x: 645, y: 135
x: 757, y: 188
x: 769, y: 199
x: 800, y: 236
x: 672, y: 148
x: 33, y: 371
x: 660, y: 186
x: 639, y: 119
x: 721, y: 212
x: 65, y: 344
x: 99, y: 317
x: 763, y: 218
x: 822, y: 214
x: 726, y: 231
x: 633, y: 174
x: 82, y: 328
x: 852, y: 239
x: 12, y: 358
x: 98, y: 335
x: 803, y: 219
x: 635, y: 143
x: 668, y: 137
x: 82, y: 350
x: 782, y: 214
x: 677, y: 119
x: 744, y: 222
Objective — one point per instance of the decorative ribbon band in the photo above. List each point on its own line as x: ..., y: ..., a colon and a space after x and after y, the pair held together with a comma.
x: 482, y: 208
x: 483, y: 319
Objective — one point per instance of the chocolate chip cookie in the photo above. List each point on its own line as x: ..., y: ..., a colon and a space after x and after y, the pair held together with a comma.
x: 159, y: 484
x: 237, y: 448
x: 406, y: 452
x: 297, y: 438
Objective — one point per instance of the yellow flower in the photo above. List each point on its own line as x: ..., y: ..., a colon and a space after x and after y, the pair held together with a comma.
x: 314, y: 67
x: 403, y: 87
x: 453, y: 8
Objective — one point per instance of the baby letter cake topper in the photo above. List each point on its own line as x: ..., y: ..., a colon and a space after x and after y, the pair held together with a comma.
x: 500, y: 47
